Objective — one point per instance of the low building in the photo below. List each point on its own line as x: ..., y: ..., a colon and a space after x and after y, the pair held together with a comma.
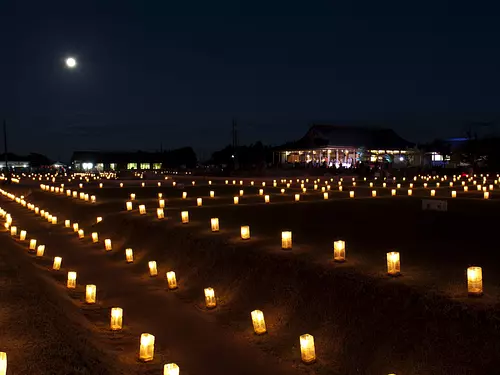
x: 105, y: 161
x: 346, y: 146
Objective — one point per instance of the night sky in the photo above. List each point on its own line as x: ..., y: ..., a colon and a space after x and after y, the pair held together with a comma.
x: 175, y: 73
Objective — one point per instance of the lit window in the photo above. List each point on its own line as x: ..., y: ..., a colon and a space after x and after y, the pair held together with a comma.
x: 87, y: 166
x: 100, y: 167
x: 112, y: 166
x: 131, y: 165
x: 156, y: 165
x: 437, y: 157
x: 145, y: 166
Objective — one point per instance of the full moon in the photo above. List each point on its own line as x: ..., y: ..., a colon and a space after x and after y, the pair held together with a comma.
x: 70, y: 62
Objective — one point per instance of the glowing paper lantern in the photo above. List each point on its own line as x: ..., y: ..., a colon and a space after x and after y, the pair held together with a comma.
x: 259, y: 324
x: 107, y: 244
x: 199, y: 202
x: 236, y: 200
x: 325, y: 196
x: 425, y: 184
x: 57, y: 263
x: 99, y: 219
x: 478, y: 187
x: 81, y: 233
x: 142, y: 209
x: 185, y: 217
x: 282, y: 191
x: 116, y: 318
x: 71, y: 284
x: 210, y: 301
x: 160, y: 213
x: 3, y: 363
x: 75, y: 227
x: 75, y: 194
x: 486, y: 195
x: 95, y: 237
x: 170, y: 369
x: 410, y: 192
x: 32, y: 244
x: 245, y: 232
x: 307, y: 350
x: 437, y: 184
x: 374, y: 193
x: 475, y: 281
x: 184, y: 195
x: 266, y: 198
x: 214, y: 223
x: 453, y: 194
x: 393, y: 192
x: 147, y: 347
x: 54, y: 220
x: 129, y: 255
x: 339, y: 251
x: 241, y: 193
x: 132, y: 196
x: 466, y: 188
x: 411, y: 186
x: 212, y: 193
x: 67, y: 223
x: 297, y: 197
x: 129, y: 206
x: 40, y: 250
x: 340, y: 188
x: 371, y: 184
x: 100, y: 186
x: 433, y: 193
x: 351, y: 194
x: 161, y: 203
x: 22, y: 235
x: 171, y: 280
x: 13, y: 231
x: 286, y: 240
x: 393, y: 264
x: 261, y: 191
x: 384, y: 185
x: 121, y: 184
x: 152, y: 268
x: 90, y: 293
x: 92, y: 198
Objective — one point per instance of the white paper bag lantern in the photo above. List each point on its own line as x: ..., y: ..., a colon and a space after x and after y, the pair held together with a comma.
x: 259, y: 324
x: 307, y: 349
x: 71, y: 280
x: 214, y: 223
x: 339, y: 251
x: 286, y: 240
x: 153, y: 271
x: 170, y: 369
x: 57, y: 263
x: 107, y: 244
x: 171, y: 280
x: 90, y: 293
x: 116, y: 319
x: 210, y: 301
x: 393, y: 264
x: 185, y: 217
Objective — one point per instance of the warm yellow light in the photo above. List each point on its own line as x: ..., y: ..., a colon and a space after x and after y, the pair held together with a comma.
x: 107, y: 244
x: 475, y: 281
x: 121, y: 184
x: 160, y: 213
x: 210, y: 182
x: 13, y: 231
x: 478, y: 187
x: 214, y: 223
x: 184, y: 195
x: 466, y: 188
x: 95, y: 237
x: 453, y: 194
x: 132, y: 196
x: 490, y: 187
x: 153, y: 271
x: 437, y: 184
x: 393, y: 192
x: 147, y: 347
x: 307, y: 350
x: 245, y: 232
x: 259, y: 324
x: 54, y: 220
x: 116, y: 318
x: 282, y: 191
x: 210, y: 301
x: 75, y: 194
x: 32, y: 244
x: 40, y: 250
x: 371, y: 184
x: 212, y: 193
x: 81, y: 234
x: 100, y: 186
x: 266, y: 199
x: 142, y: 209
x: 170, y: 369
x: 99, y: 219
x: 286, y: 240
x: 297, y: 197
x: 171, y: 280
x: 325, y: 196
x: 67, y: 223
x: 185, y: 217
x: 90, y: 293
x: 199, y: 202
x: 71, y: 280
x: 374, y: 193
x: 486, y: 195
x: 339, y: 251
x: 57, y: 263
x: 236, y: 200
x: 384, y: 185
x: 129, y: 255
x: 92, y: 198
x: 411, y: 186
x: 410, y: 192
x: 22, y: 235
x: 3, y: 363
x: 393, y: 263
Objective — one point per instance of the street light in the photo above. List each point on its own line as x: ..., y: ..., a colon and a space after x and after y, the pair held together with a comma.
x: 70, y: 62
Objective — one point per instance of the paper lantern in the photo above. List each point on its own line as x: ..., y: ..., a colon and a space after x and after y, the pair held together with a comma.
x: 174, y: 183
x: 261, y: 191
x: 57, y: 263
x: 425, y: 184
x: 13, y: 231
x: 37, y: 210
x: 212, y: 193
x: 475, y: 281
x: 307, y: 350
x: 384, y: 185
x: 161, y: 203
x: 490, y: 187
x: 170, y: 369
x: 99, y: 219
x: 236, y: 200
x: 67, y: 223
x: 185, y: 217
x: 121, y: 184
x: 40, y: 250
x: 54, y: 220
x: 437, y: 184
x: 282, y: 191
x: 82, y: 196
x: 286, y: 240
x: 100, y: 186
x: 266, y: 199
x: 199, y: 202
x: 68, y: 193
x: 129, y: 255
x: 241, y: 193
x: 297, y: 197
x: 32, y: 244
x: 374, y: 193
x: 132, y: 196
x: 81, y: 234
x: 184, y: 195
x: 393, y: 192
x: 90, y: 292
x: 478, y: 187
x: 410, y: 192
x: 81, y: 186
x: 210, y: 301
x: 433, y: 193
x: 325, y: 196
x: 129, y: 206
x: 95, y: 237
x: 451, y: 183
x: 171, y: 280
x: 75, y: 194
x: 107, y: 244
x: 75, y: 227
x: 259, y: 324
x: 71, y: 280
x: 339, y: 251
x: 466, y: 188
x: 371, y: 184
x: 160, y: 213
x: 351, y: 194
x: 22, y: 235
x: 3, y: 363
x: 152, y: 268
x: 147, y: 347
x: 411, y: 186
x: 214, y: 223
x: 142, y: 209
x: 453, y: 194
x: 393, y: 264
x: 116, y: 318
x: 245, y: 232
x: 486, y: 195
x: 210, y: 182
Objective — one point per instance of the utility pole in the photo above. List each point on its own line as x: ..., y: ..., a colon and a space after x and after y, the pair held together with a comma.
x: 7, y: 171
x: 235, y: 145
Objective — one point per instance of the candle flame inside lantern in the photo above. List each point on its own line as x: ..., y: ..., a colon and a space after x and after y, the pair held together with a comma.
x: 236, y: 200
x: 71, y: 280
x: 116, y: 318
x: 475, y: 281
x: 286, y: 240
x: 160, y: 213
x: 210, y: 301
x: 245, y: 232
x: 171, y: 280
x: 307, y: 350
x: 339, y: 251
x: 152, y: 268
x: 107, y: 244
x: 214, y: 223
x: 90, y: 293
x: 259, y: 324
x: 57, y: 263
x: 393, y: 264
x: 146, y: 351
x: 185, y: 217
x: 129, y: 255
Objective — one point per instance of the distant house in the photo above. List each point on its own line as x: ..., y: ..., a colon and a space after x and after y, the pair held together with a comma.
x: 102, y: 161
x: 31, y: 161
x: 333, y: 145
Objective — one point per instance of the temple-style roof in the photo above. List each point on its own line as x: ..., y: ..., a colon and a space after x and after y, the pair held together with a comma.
x: 320, y: 135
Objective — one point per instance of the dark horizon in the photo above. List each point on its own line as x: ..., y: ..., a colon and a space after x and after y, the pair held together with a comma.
x: 177, y: 75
